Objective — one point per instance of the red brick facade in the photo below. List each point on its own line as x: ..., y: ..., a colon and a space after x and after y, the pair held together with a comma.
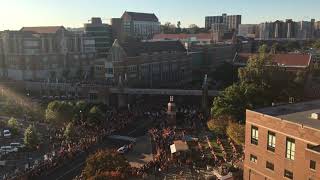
x: 283, y: 129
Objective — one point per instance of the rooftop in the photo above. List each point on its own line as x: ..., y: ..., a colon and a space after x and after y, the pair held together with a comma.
x: 43, y: 29
x: 285, y: 60
x: 299, y: 113
x: 136, y: 16
x: 182, y: 36
x: 137, y: 48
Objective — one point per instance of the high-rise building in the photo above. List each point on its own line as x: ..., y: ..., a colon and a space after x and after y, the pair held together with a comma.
x: 290, y: 29
x: 248, y: 30
x: 305, y: 30
x: 116, y: 25
x: 231, y: 21
x: 102, y: 35
x: 283, y: 142
x: 139, y: 25
x: 287, y: 30
x: 266, y: 31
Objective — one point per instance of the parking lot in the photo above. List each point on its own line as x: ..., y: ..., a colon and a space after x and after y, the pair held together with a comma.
x: 16, y: 158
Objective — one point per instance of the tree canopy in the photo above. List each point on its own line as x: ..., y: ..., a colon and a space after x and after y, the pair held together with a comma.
x: 70, y: 132
x: 59, y: 112
x: 13, y: 125
x: 104, y: 164
x: 236, y: 132
x: 31, y: 139
x: 261, y: 82
x: 95, y: 116
x: 218, y: 125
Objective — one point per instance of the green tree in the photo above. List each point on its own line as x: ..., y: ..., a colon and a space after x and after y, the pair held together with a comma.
x: 168, y: 28
x: 31, y: 139
x: 316, y: 44
x: 13, y: 125
x: 256, y: 71
x: 178, y: 30
x: 194, y: 29
x: 218, y: 125
x: 105, y: 162
x: 235, y: 99
x: 95, y: 116
x: 70, y: 132
x: 236, y: 132
x: 59, y: 112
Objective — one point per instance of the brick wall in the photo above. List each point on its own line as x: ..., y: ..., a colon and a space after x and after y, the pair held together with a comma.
x: 283, y: 129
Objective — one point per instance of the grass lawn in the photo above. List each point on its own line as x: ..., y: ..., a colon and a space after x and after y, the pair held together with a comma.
x: 216, y: 147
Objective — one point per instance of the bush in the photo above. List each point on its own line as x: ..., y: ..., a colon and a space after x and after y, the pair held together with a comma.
x: 31, y: 139
x: 218, y: 125
x: 105, y: 164
x: 236, y: 132
x: 13, y: 126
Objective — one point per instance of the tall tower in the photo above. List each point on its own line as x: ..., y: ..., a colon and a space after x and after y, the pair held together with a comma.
x: 171, y: 112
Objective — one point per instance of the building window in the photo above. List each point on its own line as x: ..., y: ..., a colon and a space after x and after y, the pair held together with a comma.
x: 290, y: 150
x: 270, y: 166
x: 271, y: 141
x: 254, y: 135
x: 288, y: 174
x: 313, y: 165
x: 253, y: 158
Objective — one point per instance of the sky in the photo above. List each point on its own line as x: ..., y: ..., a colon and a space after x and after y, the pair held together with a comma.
x: 15, y: 14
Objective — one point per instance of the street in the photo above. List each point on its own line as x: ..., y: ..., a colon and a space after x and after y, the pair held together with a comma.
x: 69, y: 170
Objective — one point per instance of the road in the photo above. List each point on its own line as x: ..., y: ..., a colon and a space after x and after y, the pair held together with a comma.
x: 74, y: 168
x: 20, y: 159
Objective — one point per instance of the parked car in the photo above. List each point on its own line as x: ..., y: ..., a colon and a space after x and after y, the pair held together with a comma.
x: 17, y: 145
x: 124, y: 149
x: 6, y: 133
x: 8, y: 149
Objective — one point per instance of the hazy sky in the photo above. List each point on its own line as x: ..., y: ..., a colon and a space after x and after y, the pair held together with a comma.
x: 15, y: 14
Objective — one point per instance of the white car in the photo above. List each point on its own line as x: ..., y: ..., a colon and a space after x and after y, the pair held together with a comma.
x: 123, y: 149
x: 8, y: 149
x: 6, y: 133
x: 17, y: 145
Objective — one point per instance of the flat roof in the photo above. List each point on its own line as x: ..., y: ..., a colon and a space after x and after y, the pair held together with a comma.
x: 299, y: 113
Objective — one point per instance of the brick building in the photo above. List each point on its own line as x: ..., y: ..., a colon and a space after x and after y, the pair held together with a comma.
x: 283, y: 142
x: 148, y: 64
x: 290, y: 62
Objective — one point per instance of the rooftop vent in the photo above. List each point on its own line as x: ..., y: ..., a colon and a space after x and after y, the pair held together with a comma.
x: 315, y: 116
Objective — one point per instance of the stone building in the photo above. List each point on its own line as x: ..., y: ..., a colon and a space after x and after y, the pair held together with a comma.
x: 44, y: 53
x: 148, y: 64
x: 138, y: 25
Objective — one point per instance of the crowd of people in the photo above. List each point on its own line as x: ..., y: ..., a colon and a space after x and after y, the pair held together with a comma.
x: 162, y: 136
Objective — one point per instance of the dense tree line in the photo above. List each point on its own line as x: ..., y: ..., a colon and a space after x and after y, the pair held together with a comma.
x: 261, y: 83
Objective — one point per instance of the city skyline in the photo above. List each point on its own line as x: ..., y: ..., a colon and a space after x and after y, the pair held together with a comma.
x: 76, y: 13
